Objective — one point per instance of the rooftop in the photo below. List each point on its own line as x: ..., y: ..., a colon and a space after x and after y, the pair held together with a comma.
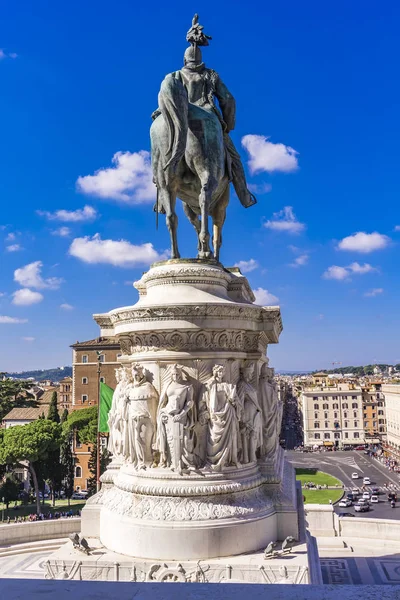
x: 100, y: 342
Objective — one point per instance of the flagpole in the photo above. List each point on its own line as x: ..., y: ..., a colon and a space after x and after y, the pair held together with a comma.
x: 98, y: 482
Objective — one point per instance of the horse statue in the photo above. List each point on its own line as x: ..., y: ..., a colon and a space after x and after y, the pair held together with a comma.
x: 193, y: 157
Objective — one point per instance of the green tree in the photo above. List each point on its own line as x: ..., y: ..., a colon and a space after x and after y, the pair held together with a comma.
x: 105, y: 458
x: 9, y: 490
x: 14, y: 394
x: 84, y: 421
x: 68, y: 465
x: 53, y: 414
x: 64, y: 416
x: 30, y: 443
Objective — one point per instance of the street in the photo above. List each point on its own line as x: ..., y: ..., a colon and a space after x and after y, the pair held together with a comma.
x: 342, y: 465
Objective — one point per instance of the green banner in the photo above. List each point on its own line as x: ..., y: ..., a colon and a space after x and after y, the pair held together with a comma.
x: 106, y: 395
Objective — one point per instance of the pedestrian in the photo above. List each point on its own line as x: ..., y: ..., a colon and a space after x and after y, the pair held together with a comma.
x: 330, y: 501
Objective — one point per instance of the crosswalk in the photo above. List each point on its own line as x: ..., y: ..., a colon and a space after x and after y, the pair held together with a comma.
x: 383, y: 489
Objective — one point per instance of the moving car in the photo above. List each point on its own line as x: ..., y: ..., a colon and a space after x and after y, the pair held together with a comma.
x: 352, y: 497
x: 355, y: 476
x: 366, y: 481
x: 355, y: 491
x: 361, y: 508
x: 345, y: 502
x: 359, y: 448
x: 366, y: 495
x: 376, y: 491
x: 374, y: 499
x: 363, y: 502
x: 79, y: 496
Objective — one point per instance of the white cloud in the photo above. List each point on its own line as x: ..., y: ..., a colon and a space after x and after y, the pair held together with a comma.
x: 259, y: 188
x: 11, y: 320
x: 61, y: 232
x: 28, y: 339
x: 246, y: 266
x: 4, y: 54
x: 265, y: 298
x: 14, y: 248
x: 87, y: 213
x: 374, y: 292
x: 300, y: 261
x: 344, y: 273
x: 364, y: 242
x: 130, y: 180
x: 26, y: 297
x: 10, y: 237
x: 285, y: 220
x: 119, y: 253
x: 397, y: 228
x: 30, y: 276
x: 66, y: 306
x: 266, y: 156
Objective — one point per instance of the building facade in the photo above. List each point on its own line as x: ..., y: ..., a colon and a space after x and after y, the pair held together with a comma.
x: 65, y: 395
x: 391, y: 393
x: 374, y: 414
x: 332, y: 417
x: 85, y: 392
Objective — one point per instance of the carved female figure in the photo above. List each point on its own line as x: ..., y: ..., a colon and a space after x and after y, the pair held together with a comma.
x: 140, y: 411
x: 271, y: 412
x: 115, y: 420
x: 175, y: 423
x: 221, y: 408
x: 251, y: 420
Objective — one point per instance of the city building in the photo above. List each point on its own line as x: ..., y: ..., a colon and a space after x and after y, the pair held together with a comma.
x: 391, y: 392
x: 332, y: 417
x: 374, y: 417
x: 85, y: 392
x: 321, y: 379
x: 65, y: 394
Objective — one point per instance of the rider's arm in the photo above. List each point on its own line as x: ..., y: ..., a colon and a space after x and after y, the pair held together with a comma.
x: 227, y: 104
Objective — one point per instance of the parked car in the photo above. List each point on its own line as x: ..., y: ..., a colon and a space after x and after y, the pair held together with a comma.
x: 366, y: 481
x: 374, y: 499
x: 79, y: 496
x: 345, y: 514
x: 345, y: 502
x: 361, y: 508
x: 355, y: 476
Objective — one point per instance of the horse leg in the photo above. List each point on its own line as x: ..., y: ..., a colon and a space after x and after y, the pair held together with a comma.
x: 194, y: 219
x: 204, y: 203
x: 218, y: 217
x: 167, y: 198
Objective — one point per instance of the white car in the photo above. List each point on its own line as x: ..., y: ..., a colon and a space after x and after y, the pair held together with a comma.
x: 374, y: 499
x: 345, y: 503
x: 355, y: 491
x: 366, y: 481
x: 355, y: 476
x: 366, y: 495
x: 363, y: 502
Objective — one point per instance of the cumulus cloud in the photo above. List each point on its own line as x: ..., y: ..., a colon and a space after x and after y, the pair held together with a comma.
x: 4, y: 54
x: 374, y: 292
x: 26, y: 297
x: 300, y: 261
x: 10, y: 237
x: 87, y: 213
x: 344, y: 273
x: 14, y: 248
x: 364, y: 242
x: 129, y: 180
x: 66, y: 306
x: 28, y: 339
x: 61, y: 232
x: 30, y: 277
x: 267, y: 156
x: 265, y: 298
x: 120, y: 253
x: 285, y: 220
x: 246, y: 266
x: 11, y: 320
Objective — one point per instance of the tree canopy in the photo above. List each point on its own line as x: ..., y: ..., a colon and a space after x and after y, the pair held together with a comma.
x: 85, y: 422
x: 14, y: 394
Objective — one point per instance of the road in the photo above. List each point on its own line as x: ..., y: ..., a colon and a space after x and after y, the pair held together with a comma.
x: 342, y: 465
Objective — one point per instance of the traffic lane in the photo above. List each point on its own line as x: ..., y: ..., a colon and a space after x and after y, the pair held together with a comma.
x: 382, y: 510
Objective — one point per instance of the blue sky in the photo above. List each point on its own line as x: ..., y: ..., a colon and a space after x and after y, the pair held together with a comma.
x: 318, y: 125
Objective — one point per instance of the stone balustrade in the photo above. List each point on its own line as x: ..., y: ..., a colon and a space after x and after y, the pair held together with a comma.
x: 18, y: 533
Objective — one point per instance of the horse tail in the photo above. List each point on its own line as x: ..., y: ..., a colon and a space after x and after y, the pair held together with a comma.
x: 174, y: 104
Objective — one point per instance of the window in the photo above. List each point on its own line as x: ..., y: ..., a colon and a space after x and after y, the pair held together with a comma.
x: 317, y: 436
x: 381, y: 421
x: 102, y: 379
x: 355, y: 414
x: 354, y: 397
x: 335, y: 415
x: 355, y: 423
x: 336, y: 436
x: 327, y: 436
x: 78, y: 472
x: 315, y: 397
x: 103, y: 442
x: 102, y: 358
x: 344, y: 397
x: 346, y: 423
x: 345, y: 405
x: 365, y: 424
x: 84, y: 358
x: 346, y: 434
x: 84, y: 398
x: 325, y: 406
x: 325, y: 415
x: 374, y: 424
x: 334, y: 397
x: 345, y: 415
x: 336, y: 406
x: 380, y: 412
x: 326, y: 424
x: 84, y: 380
x: 316, y: 406
x: 373, y: 415
x: 356, y: 435
x: 316, y: 425
x: 354, y: 405
x: 315, y: 415
x: 380, y: 403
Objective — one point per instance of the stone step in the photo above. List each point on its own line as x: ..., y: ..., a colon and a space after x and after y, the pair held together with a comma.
x: 30, y: 547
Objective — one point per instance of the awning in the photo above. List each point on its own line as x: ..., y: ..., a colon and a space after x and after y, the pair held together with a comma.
x: 328, y: 443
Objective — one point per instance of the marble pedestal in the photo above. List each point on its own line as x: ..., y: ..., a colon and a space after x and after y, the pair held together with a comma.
x: 196, y: 314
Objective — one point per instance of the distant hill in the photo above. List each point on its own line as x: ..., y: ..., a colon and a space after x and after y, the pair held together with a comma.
x: 362, y: 370
x: 52, y: 374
